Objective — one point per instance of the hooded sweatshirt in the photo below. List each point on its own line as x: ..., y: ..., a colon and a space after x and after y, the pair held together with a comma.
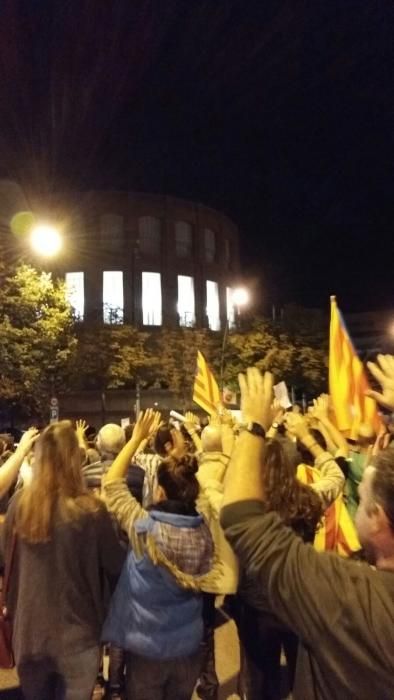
x: 156, y: 610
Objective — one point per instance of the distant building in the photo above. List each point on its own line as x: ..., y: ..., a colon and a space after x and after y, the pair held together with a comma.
x: 148, y: 260
x: 372, y: 332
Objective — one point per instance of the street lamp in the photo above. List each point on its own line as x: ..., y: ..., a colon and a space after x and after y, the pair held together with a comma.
x: 45, y: 240
x: 239, y: 297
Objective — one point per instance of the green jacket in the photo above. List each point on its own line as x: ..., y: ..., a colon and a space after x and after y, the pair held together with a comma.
x: 341, y: 610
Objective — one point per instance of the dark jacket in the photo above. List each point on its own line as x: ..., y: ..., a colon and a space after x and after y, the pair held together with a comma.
x: 59, y: 590
x: 341, y: 610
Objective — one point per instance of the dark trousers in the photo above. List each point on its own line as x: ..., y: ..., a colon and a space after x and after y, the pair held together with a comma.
x: 208, y: 686
x: 262, y: 637
x: 71, y: 677
x: 116, y: 676
x: 152, y: 679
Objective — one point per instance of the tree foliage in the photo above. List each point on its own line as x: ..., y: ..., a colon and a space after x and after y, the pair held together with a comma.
x: 37, y: 340
x: 112, y: 357
x: 175, y: 353
x: 267, y: 346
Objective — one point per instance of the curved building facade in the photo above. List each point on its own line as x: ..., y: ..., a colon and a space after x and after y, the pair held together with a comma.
x: 148, y: 260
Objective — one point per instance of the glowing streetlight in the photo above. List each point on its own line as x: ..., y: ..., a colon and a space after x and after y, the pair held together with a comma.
x: 240, y: 297
x: 45, y: 240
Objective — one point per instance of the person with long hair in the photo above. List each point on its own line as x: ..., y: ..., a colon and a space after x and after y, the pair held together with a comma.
x: 262, y: 635
x: 65, y: 554
x: 156, y: 610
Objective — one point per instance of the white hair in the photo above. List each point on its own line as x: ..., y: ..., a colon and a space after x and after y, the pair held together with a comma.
x: 110, y: 439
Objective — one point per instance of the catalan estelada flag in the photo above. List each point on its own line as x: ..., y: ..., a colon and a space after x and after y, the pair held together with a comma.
x: 348, y: 380
x: 206, y: 391
x: 337, y: 532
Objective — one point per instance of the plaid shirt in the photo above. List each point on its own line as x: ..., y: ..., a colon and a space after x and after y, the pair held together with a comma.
x: 189, y: 549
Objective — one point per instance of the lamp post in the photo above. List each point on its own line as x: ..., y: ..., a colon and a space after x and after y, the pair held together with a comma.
x: 240, y: 297
x: 46, y: 241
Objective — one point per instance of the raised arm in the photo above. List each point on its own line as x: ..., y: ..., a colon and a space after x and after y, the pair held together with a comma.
x: 383, y: 371
x: 320, y: 411
x: 117, y: 496
x: 331, y: 479
x: 243, y: 479
x: 191, y: 422
x: 144, y: 425
x: 9, y: 470
x: 295, y: 576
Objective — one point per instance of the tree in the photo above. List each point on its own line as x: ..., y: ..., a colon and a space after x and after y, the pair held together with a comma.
x: 112, y: 357
x: 265, y: 345
x: 37, y: 340
x: 175, y: 353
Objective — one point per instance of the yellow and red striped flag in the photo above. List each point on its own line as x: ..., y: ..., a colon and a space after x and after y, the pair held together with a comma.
x: 206, y: 391
x: 337, y: 532
x: 348, y: 380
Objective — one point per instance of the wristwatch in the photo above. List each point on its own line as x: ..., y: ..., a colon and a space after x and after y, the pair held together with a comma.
x: 275, y: 425
x: 255, y: 429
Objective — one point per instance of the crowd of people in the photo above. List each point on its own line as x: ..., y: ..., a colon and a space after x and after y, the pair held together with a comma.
x: 125, y: 543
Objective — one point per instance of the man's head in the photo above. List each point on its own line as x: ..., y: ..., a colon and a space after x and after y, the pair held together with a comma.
x: 211, y: 438
x: 375, y: 514
x: 110, y: 440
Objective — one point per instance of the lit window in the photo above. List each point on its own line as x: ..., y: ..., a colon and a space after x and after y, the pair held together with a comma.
x: 230, y: 307
x: 113, y: 296
x: 149, y: 230
x: 210, y: 245
x: 151, y: 299
x: 213, y: 306
x: 186, y: 308
x: 183, y: 239
x: 75, y: 293
x: 111, y: 230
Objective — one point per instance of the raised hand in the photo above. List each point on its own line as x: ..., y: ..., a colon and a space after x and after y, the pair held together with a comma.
x: 256, y: 396
x: 320, y: 407
x: 179, y: 443
x: 383, y: 371
x: 27, y: 440
x: 147, y: 420
x: 191, y: 422
x: 296, y: 425
x: 156, y: 424
x: 80, y: 425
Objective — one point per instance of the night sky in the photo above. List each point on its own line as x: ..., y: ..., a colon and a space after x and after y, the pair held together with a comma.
x: 278, y: 112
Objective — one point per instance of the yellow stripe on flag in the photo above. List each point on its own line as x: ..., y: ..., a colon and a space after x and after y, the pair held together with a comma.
x: 348, y: 380
x: 206, y: 391
x: 337, y: 532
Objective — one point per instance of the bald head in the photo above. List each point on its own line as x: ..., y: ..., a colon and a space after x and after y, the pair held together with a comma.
x: 211, y: 439
x: 110, y: 439
x: 366, y: 431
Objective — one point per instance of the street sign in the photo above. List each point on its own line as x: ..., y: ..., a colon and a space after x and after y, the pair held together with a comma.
x: 53, y: 414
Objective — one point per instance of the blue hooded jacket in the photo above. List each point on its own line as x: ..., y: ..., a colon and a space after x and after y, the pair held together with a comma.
x: 156, y: 610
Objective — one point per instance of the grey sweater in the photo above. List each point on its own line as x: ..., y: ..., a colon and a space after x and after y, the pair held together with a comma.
x: 59, y: 590
x: 342, y: 611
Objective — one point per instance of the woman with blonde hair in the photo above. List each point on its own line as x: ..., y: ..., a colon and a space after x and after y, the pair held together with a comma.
x: 65, y: 553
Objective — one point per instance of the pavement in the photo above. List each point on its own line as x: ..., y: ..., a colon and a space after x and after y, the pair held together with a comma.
x: 227, y: 665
